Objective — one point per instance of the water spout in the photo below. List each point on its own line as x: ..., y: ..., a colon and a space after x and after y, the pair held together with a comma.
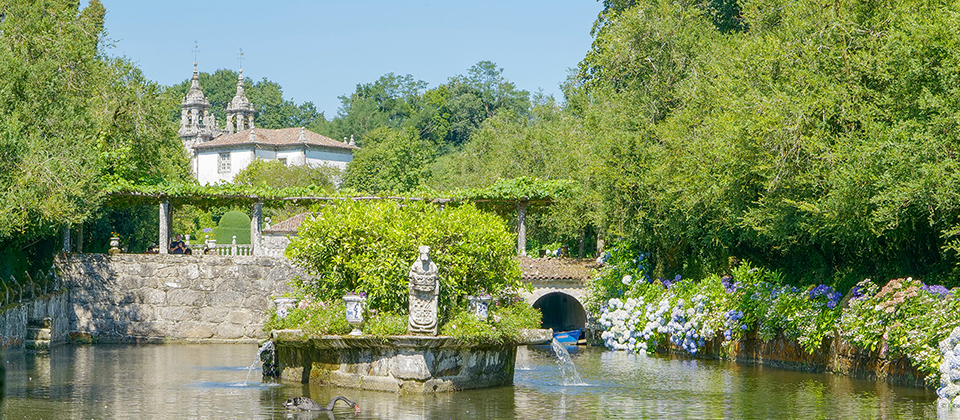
x: 570, y: 375
x: 268, y: 356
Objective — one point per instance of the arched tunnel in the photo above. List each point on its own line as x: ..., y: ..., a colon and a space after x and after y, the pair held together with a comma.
x: 561, y: 312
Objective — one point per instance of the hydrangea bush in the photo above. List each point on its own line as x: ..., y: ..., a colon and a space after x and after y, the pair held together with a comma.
x: 904, y: 318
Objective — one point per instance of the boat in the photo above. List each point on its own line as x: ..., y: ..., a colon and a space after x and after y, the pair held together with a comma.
x: 567, y: 337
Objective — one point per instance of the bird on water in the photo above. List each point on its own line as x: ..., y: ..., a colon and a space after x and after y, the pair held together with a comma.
x: 306, y: 404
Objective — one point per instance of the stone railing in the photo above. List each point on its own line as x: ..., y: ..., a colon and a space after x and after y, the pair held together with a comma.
x: 232, y: 249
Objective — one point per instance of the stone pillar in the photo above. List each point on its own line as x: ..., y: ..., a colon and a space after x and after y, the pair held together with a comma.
x: 522, y: 228
x: 256, y: 228
x: 424, y: 289
x: 66, y: 239
x: 164, y: 241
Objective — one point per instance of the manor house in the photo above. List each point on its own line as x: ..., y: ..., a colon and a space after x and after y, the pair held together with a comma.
x: 217, y: 155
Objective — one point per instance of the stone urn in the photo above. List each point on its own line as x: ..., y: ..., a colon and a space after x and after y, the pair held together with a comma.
x: 284, y: 305
x: 479, y: 306
x: 114, y: 245
x: 355, y: 304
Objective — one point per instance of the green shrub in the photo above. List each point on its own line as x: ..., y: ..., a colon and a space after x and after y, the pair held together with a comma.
x: 385, y: 324
x: 503, y: 324
x: 315, y: 317
x: 233, y: 223
x: 354, y: 246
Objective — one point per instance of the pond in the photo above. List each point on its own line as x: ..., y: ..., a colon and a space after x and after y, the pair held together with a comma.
x: 213, y: 381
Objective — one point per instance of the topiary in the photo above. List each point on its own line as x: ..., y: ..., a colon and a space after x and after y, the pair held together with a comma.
x: 233, y: 223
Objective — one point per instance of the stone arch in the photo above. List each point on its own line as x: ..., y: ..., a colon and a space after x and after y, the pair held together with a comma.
x: 561, y: 311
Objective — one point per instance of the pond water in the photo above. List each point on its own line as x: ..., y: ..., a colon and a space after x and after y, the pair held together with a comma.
x: 210, y: 381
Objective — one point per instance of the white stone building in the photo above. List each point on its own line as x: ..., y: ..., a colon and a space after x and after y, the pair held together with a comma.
x: 217, y: 155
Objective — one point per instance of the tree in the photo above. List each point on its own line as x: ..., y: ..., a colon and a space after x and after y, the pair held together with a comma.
x: 71, y: 121
x: 392, y: 161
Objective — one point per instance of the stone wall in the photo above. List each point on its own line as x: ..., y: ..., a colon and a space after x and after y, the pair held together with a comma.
x: 157, y: 298
x: 834, y: 355
x: 14, y: 319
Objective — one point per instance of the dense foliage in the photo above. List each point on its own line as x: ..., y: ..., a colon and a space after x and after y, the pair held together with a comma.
x: 357, y: 246
x: 814, y: 140
x: 507, y: 317
x: 904, y: 318
x: 71, y: 120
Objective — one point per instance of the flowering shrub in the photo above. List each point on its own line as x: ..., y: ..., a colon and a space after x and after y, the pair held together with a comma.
x: 315, y: 317
x: 903, y: 318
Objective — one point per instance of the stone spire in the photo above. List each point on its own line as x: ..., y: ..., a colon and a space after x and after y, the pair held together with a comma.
x: 240, y: 111
x: 197, y: 124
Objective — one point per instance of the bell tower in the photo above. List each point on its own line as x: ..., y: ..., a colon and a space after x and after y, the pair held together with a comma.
x: 240, y: 111
x: 197, y: 124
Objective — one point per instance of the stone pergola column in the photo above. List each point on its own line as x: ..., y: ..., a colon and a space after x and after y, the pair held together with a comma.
x: 163, y: 243
x: 66, y: 239
x: 256, y: 228
x: 522, y: 228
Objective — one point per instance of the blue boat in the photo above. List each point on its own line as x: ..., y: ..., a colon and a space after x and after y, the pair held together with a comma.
x: 567, y: 337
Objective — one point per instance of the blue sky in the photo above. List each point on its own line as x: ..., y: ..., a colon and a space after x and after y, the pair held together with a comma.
x: 319, y: 50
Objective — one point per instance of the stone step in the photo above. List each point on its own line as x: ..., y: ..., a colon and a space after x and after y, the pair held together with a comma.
x: 38, y: 334
x: 36, y: 344
x: 39, y: 323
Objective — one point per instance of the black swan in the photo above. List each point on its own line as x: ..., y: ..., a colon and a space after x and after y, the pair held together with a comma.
x: 306, y: 404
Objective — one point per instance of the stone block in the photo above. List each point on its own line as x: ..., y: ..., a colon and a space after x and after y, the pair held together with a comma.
x: 147, y: 270
x: 240, y: 317
x: 195, y: 330
x: 203, y: 284
x: 189, y: 272
x: 229, y: 331
x: 185, y: 297
x: 257, y: 303
x: 225, y: 299
x: 410, y: 366
x: 178, y: 313
x: 151, y: 296
x: 214, y: 314
x: 167, y: 272
x: 254, y: 331
x: 379, y: 383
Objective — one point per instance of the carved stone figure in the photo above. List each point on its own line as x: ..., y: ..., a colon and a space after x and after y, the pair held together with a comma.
x: 424, y: 289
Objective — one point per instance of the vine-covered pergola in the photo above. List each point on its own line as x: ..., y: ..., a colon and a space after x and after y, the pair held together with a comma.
x: 504, y: 196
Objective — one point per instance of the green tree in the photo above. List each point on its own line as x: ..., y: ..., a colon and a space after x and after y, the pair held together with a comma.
x: 392, y: 161
x: 71, y: 121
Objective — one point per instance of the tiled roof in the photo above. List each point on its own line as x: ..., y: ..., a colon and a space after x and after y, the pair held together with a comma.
x: 275, y: 138
x: 288, y: 226
x: 557, y: 268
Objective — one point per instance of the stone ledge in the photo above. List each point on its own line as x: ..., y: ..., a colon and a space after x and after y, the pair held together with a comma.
x: 405, y: 364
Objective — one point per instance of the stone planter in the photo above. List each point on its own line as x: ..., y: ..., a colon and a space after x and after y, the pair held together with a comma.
x: 354, y: 313
x: 479, y: 306
x: 114, y: 245
x: 405, y: 364
x: 284, y: 305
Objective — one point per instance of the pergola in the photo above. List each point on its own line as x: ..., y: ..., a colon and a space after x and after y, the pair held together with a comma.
x: 166, y: 202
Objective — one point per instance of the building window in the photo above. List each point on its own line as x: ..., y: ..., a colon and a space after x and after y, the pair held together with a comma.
x: 223, y: 163
x: 283, y: 161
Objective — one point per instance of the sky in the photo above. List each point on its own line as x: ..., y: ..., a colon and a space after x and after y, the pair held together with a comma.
x: 320, y: 50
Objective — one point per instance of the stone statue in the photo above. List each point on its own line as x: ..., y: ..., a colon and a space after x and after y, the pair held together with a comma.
x: 424, y: 289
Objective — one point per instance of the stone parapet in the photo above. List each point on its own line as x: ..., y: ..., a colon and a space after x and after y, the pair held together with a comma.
x: 172, y: 298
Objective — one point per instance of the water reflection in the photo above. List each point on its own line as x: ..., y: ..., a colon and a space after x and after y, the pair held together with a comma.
x: 209, y: 381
